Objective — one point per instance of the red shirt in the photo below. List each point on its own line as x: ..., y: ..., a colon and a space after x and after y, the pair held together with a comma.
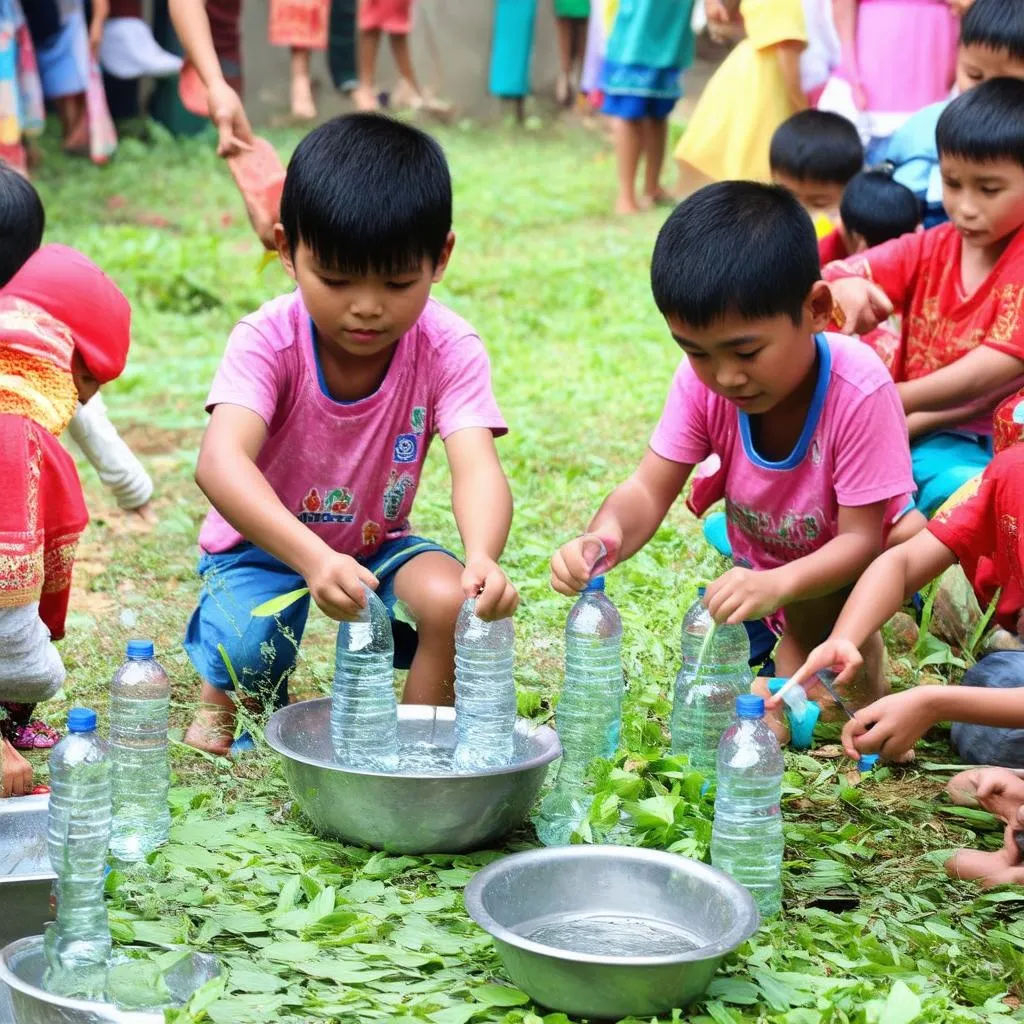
x: 921, y: 275
x: 832, y: 248
x: 984, y: 532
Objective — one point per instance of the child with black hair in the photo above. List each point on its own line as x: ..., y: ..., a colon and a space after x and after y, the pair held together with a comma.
x: 959, y: 289
x: 991, y: 46
x: 321, y: 415
x: 814, y: 154
x: 875, y: 209
x: 813, y: 458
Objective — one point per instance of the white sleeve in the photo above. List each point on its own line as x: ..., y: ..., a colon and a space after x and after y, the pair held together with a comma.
x: 30, y: 667
x: 117, y: 466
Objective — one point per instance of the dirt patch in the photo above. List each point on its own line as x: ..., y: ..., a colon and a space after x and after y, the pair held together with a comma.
x: 146, y: 440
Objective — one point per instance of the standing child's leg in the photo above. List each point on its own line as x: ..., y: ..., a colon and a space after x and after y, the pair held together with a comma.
x: 303, y: 105
x: 655, y: 142
x: 629, y: 141
x: 408, y: 82
x: 366, y: 95
x: 563, y: 87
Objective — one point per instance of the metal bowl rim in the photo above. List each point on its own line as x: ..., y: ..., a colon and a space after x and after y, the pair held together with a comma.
x: 553, y: 750
x: 748, y: 918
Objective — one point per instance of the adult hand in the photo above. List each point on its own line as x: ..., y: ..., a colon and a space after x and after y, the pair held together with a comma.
x: 863, y: 304
x: 337, y: 586
x: 891, y: 726
x: 16, y: 778
x: 576, y: 563
x: 496, y: 598
x: 743, y: 594
x: 227, y: 113
x: 836, y: 655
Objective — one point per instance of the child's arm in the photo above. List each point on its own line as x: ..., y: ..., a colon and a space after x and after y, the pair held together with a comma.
x: 228, y: 475
x: 482, y: 503
x: 743, y: 594
x: 226, y: 110
x: 845, y: 14
x: 623, y: 524
x: 977, y: 375
x: 788, y: 56
x: 100, y: 13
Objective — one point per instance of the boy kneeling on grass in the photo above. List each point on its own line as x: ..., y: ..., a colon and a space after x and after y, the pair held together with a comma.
x: 321, y: 415
x: 807, y: 426
x: 985, y: 534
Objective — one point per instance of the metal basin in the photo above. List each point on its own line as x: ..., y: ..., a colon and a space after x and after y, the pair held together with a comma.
x: 621, y: 901
x: 25, y: 872
x: 24, y: 1001
x: 422, y: 813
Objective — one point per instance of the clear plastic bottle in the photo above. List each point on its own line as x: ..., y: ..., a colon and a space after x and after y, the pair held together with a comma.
x: 485, y: 692
x: 140, y: 696
x: 589, y: 713
x: 746, y: 840
x: 77, y: 945
x: 364, y: 710
x: 715, y: 671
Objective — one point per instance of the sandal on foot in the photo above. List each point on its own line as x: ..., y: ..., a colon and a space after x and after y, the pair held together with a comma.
x: 36, y: 735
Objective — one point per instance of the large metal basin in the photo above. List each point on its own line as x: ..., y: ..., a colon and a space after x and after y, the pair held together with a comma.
x: 694, y: 915
x: 425, y: 813
x: 25, y: 872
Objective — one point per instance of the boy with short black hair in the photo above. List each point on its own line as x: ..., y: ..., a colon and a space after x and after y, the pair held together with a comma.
x: 321, y: 415
x: 991, y: 46
x: 959, y: 289
x: 814, y: 154
x: 813, y: 458
x: 876, y: 209
x: 22, y: 221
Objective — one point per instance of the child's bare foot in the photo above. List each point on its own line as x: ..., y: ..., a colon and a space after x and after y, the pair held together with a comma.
x: 659, y: 198
x: 213, y: 728
x: 365, y: 99
x: 999, y: 868
x: 303, y: 104
x: 999, y: 791
x: 626, y: 206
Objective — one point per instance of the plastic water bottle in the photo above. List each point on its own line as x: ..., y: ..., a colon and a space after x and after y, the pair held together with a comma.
x: 364, y: 711
x: 715, y: 671
x: 77, y: 944
x: 485, y: 693
x: 746, y: 840
x: 589, y: 714
x: 140, y: 695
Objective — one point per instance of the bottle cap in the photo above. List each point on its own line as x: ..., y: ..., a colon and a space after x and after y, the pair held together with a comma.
x: 750, y: 705
x: 139, y: 648
x: 81, y: 720
x: 701, y: 591
x: 867, y: 762
x: 596, y: 584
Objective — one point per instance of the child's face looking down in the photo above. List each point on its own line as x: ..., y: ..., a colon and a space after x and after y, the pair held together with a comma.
x: 985, y: 201
x: 816, y: 197
x: 976, y: 64
x: 362, y: 314
x: 755, y: 364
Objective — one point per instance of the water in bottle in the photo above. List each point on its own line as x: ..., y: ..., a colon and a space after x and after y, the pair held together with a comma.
x: 77, y: 944
x: 485, y: 693
x: 589, y: 714
x: 746, y: 840
x: 715, y: 671
x: 364, y: 710
x: 140, y: 695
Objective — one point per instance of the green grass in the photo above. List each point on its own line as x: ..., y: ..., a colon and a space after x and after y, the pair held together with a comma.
x: 311, y: 930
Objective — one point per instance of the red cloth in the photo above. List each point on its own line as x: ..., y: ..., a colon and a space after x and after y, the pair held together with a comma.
x: 73, y: 290
x: 986, y: 533
x: 832, y: 247
x: 1008, y: 422
x: 299, y: 23
x: 921, y: 275
x: 391, y: 16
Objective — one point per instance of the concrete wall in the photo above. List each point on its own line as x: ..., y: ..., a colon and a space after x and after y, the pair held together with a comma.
x: 451, y: 44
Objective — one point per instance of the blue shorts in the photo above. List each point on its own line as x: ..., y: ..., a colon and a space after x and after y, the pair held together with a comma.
x: 943, y: 463
x: 262, y: 650
x: 635, y: 108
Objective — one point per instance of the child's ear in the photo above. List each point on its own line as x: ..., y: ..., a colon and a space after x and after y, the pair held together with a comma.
x: 446, y: 255
x: 818, y: 307
x: 284, y: 250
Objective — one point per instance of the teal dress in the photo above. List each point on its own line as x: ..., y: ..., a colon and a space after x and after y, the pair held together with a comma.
x: 512, y: 48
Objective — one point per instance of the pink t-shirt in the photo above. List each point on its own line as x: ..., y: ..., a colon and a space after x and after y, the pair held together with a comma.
x: 852, y: 451
x: 349, y: 470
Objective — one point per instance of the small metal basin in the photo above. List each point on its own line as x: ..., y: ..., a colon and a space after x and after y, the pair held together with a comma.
x: 642, y: 932
x: 418, y: 813
x: 25, y: 872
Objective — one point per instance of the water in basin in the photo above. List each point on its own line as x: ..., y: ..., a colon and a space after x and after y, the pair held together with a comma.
x: 426, y: 758
x: 610, y: 935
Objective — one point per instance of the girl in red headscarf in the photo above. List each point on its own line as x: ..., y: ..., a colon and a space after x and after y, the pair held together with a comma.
x: 64, y: 331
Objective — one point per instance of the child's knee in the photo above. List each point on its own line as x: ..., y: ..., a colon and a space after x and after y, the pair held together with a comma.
x: 436, y: 600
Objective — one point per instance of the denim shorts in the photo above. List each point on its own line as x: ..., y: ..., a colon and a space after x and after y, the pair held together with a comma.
x: 636, y: 108
x: 262, y: 650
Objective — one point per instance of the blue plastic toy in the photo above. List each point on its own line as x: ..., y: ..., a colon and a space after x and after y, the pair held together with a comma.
x: 802, y: 722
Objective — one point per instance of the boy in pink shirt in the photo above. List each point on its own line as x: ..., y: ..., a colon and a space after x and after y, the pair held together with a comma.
x: 812, y: 453
x: 322, y: 411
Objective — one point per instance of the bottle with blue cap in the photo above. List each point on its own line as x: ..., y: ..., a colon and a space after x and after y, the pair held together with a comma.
x: 746, y: 839
x: 140, y: 696
x: 715, y: 671
x: 77, y: 944
x: 589, y: 713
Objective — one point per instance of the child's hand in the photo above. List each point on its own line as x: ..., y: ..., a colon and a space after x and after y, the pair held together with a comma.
x: 891, y: 726
x: 576, y: 563
x: 337, y: 586
x: 743, y: 594
x: 862, y: 305
x: 836, y: 655
x: 17, y: 772
x: 496, y: 598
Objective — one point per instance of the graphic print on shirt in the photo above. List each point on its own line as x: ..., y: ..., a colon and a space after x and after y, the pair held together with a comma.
x: 333, y: 507
x: 371, y: 534
x: 395, y: 493
x: 792, y: 534
x: 418, y: 419
x: 407, y: 447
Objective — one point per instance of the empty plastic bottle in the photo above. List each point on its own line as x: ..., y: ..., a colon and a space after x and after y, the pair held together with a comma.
x: 140, y: 695
x: 364, y: 710
x: 77, y: 944
x: 715, y: 671
x: 746, y: 840
x: 589, y: 714
x: 485, y: 693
